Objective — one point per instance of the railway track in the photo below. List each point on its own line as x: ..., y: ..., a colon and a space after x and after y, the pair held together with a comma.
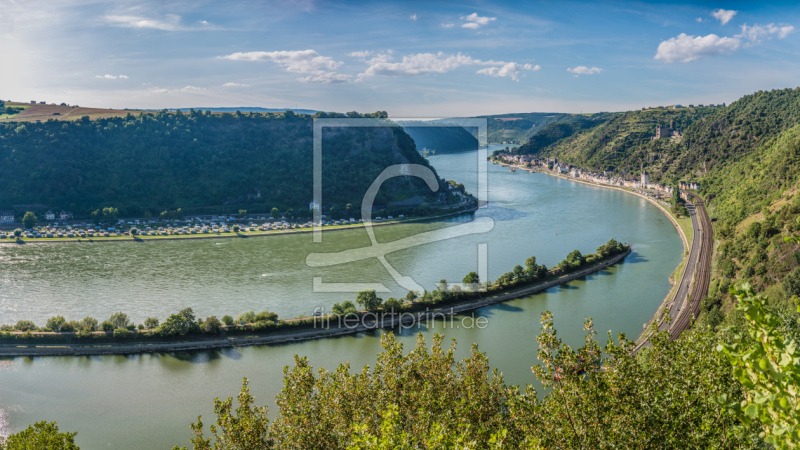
x: 702, y: 277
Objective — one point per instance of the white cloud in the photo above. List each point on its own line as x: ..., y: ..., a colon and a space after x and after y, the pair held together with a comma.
x: 360, y: 54
x: 429, y: 63
x: 757, y: 32
x: 723, y: 15
x: 474, y: 21
x: 171, y: 22
x: 448, y: 25
x: 232, y: 84
x: 699, y: 20
x: 297, y: 61
x: 510, y: 70
x: 583, y: 70
x: 320, y: 69
x: 112, y: 77
x: 685, y: 48
x: 327, y: 78
x: 413, y: 17
x: 183, y: 89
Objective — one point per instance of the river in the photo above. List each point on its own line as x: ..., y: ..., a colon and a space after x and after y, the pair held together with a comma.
x: 148, y: 401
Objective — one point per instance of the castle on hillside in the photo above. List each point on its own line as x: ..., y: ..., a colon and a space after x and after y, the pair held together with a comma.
x: 662, y: 131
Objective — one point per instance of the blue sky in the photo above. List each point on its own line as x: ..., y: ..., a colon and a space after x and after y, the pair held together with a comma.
x: 412, y: 59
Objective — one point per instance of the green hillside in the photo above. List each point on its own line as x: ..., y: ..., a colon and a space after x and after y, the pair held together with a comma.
x: 618, y: 142
x: 746, y: 157
x: 198, y: 162
x: 439, y: 140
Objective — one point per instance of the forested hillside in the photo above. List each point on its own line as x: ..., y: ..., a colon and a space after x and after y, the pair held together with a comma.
x: 619, y: 142
x: 198, y: 162
x: 746, y: 157
x: 755, y: 203
x: 439, y: 140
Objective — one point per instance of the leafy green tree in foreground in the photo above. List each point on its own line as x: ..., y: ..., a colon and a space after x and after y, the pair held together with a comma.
x: 29, y: 220
x: 595, y: 398
x: 767, y: 364
x: 246, y: 428
x: 41, y: 435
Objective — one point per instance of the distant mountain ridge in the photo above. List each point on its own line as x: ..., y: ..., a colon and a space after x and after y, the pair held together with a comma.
x: 244, y: 109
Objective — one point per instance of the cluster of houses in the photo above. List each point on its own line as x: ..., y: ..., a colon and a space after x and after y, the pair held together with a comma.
x: 7, y: 217
x: 552, y: 165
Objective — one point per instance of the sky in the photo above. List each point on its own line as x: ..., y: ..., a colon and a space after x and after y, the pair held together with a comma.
x: 409, y: 58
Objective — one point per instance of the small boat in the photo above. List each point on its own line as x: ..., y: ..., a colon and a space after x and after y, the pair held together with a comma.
x: 512, y: 170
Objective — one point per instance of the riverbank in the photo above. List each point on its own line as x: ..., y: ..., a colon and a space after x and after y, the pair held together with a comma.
x: 18, y: 349
x: 658, y: 315
x: 227, y: 235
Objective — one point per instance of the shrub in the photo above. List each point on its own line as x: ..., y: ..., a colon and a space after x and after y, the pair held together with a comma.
x: 89, y: 323
x: 227, y: 320
x: 211, y: 325
x: 248, y: 317
x: 151, y: 323
x: 391, y: 304
x: 107, y: 326
x: 55, y: 323
x: 40, y: 435
x: 27, y: 335
x: 119, y: 320
x: 264, y: 325
x: 25, y: 325
x: 122, y: 333
x: 263, y: 316
x: 84, y: 333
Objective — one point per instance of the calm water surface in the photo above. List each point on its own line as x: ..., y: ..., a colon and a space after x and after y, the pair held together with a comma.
x: 149, y: 401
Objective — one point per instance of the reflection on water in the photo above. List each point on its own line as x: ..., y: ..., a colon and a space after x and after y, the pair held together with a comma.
x: 148, y: 401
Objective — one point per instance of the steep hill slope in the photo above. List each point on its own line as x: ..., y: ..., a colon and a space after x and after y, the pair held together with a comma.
x: 439, y: 140
x: 198, y: 162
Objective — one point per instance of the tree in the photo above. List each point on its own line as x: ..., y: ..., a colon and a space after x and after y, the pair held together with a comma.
x: 177, y: 325
x: 89, y: 323
x: 227, y: 320
x: 791, y: 283
x: 55, y: 323
x: 442, y: 285
x: 247, y: 317
x: 765, y: 362
x: 134, y: 231
x: 119, y: 320
x: 369, y: 300
x: 211, y: 325
x: 236, y: 229
x: 41, y: 435
x: 242, y: 213
x: 275, y: 213
x: 392, y: 304
x: 29, y: 220
x: 411, y: 296
x: 17, y: 233
x: 246, y: 428
x: 471, y: 278
x: 151, y: 323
